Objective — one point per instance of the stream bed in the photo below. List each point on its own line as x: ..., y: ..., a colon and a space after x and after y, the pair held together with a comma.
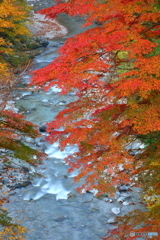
x: 50, y: 207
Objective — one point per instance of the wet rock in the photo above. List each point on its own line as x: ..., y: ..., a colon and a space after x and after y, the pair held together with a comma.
x: 94, y: 191
x: 42, y: 42
x: 26, y: 93
x: 3, y: 150
x: 46, y: 104
x: 105, y: 195
x: 121, y: 199
x: 125, y: 203
x: 82, y: 225
x: 37, y: 42
x: 117, y: 195
x: 111, y: 220
x: 65, y: 176
x: 124, y: 187
x: 62, y: 103
x: 94, y: 209
x: 19, y: 185
x: 17, y: 98
x: 8, y: 165
x: 29, y: 140
x: 5, y: 181
x: 42, y: 128
x: 72, y: 93
x: 72, y: 195
x: 32, y: 169
x: 41, y: 143
x: 110, y: 200
x: 32, y: 110
x: 13, y: 175
x: 5, y: 189
x: 2, y: 171
x: 98, y: 23
x: 44, y: 100
x: 1, y: 166
x: 115, y: 210
x: 25, y: 169
x: 125, y: 194
x: 60, y: 219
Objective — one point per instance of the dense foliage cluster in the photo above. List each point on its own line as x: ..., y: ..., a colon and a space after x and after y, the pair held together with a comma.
x: 12, y: 129
x: 13, y: 16
x: 114, y: 68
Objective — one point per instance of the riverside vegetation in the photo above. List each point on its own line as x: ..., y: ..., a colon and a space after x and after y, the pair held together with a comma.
x: 17, y: 48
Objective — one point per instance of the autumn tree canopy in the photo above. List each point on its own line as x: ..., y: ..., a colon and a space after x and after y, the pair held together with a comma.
x: 114, y: 68
x: 13, y: 16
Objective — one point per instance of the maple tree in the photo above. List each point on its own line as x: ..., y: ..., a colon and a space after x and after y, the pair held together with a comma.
x: 114, y: 68
x: 12, y: 128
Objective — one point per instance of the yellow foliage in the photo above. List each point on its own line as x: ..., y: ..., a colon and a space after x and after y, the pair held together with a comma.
x: 4, y: 70
x: 13, y: 233
x: 13, y: 15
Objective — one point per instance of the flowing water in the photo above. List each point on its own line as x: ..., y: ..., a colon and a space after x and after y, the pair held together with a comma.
x: 50, y: 208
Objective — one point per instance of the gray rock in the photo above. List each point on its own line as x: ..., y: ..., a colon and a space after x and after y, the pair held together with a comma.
x: 111, y: 220
x: 115, y: 210
x: 26, y: 93
x: 124, y: 188
x: 46, y: 104
x: 42, y: 128
x: 124, y: 195
x: 125, y: 203
x: 29, y: 140
x: 25, y: 169
x: 42, y: 42
x: 61, y: 103
x: 44, y: 100
x: 1, y: 166
x: 105, y: 195
x: 5, y: 189
x: 5, y: 181
x: 3, y: 150
x: 60, y: 219
x: 121, y: 199
x: 94, y: 210
x: 19, y: 185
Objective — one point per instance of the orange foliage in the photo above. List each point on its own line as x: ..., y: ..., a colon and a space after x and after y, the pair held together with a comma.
x: 114, y: 67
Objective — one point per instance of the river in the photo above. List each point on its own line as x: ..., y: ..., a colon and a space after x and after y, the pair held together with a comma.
x: 50, y: 207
